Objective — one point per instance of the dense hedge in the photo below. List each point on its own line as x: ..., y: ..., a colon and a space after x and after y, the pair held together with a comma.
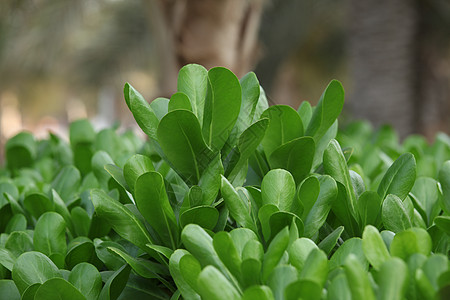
x: 228, y: 199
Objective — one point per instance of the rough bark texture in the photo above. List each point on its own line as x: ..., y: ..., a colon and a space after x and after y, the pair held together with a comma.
x: 207, y: 32
x: 382, y: 61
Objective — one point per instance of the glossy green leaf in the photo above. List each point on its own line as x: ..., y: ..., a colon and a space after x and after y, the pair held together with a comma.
x: 357, y: 278
x: 241, y: 237
x: 308, y: 192
x: 260, y: 292
x: 315, y: 267
x: 121, y: 219
x: 179, y: 135
x: 81, y: 221
x: 341, y: 208
x: 141, y: 110
x: 280, y: 278
x: 278, y: 188
x: 353, y: 246
x: 160, y: 107
x: 86, y: 278
x: 175, y: 271
x: 179, y: 101
x: 17, y: 223
x: 374, y: 248
x: 8, y: 290
x: 7, y: 258
x: 67, y: 182
x: 251, y: 272
x: 444, y: 179
x: 205, y: 216
x: 134, y: 167
x: 426, y: 191
x: 326, y: 111
x: 99, y: 160
x: 443, y: 223
x: 274, y: 253
x: 394, y: 214
x: 82, y: 251
x: 399, y: 178
x: 338, y: 289
x: 328, y: 243
x: 392, y: 279
x: 222, y: 106
x: 296, y: 156
x: 284, y: 126
x: 56, y: 289
x: 280, y: 219
x: 299, y: 251
x: 210, y: 180
x: 153, y: 203
x: 368, y: 207
x: 19, y: 242
x: 227, y: 252
x: 214, y: 285
x: 30, y: 292
x: 322, y: 206
x: 335, y: 165
x: 50, y: 234
x: 37, y: 204
x: 239, y: 210
x: 433, y: 267
x: 33, y: 267
x: 115, y: 284
x: 303, y: 289
x: 305, y: 112
x: 408, y: 242
x: 193, y: 81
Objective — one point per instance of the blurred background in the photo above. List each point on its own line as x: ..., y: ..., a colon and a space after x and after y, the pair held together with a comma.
x: 66, y: 59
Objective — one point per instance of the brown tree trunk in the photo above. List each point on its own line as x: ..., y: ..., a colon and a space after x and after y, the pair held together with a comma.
x: 382, y: 56
x: 207, y: 32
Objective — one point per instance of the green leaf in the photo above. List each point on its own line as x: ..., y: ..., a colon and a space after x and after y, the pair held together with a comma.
x: 193, y: 81
x: 19, y: 242
x: 444, y: 179
x: 247, y: 144
x: 426, y: 191
x: 280, y: 219
x: 167, y: 252
x: 87, y: 280
x: 374, y: 248
x: 341, y: 208
x: 17, y: 223
x: 180, y: 101
x: 56, y: 289
x: 250, y: 95
x: 305, y: 112
x: 328, y: 243
x: 296, y: 156
x: 20, y: 151
x: 394, y: 214
x: 399, y: 178
x: 369, y: 208
x: 278, y: 188
x: 280, y: 278
x: 117, y: 174
x: 205, y: 216
x: 443, y: 223
x: 37, y: 204
x: 210, y: 181
x: 115, y: 284
x: 315, y: 267
x: 241, y: 237
x: 338, y: 289
x: 81, y: 221
x: 190, y: 270
x: 353, y: 246
x: 134, y: 167
x: 238, y: 209
x: 122, y: 220
x: 335, y: 165
x: 408, y: 242
x: 179, y: 135
x: 303, y: 289
x: 33, y: 267
x: 434, y: 267
x: 222, y: 106
x: 142, y: 267
x: 160, y: 107
x: 251, y: 272
x: 67, y: 182
x: 82, y: 251
x: 30, y: 292
x: 141, y: 110
x: 392, y: 279
x: 175, y: 271
x: 274, y: 252
x: 327, y: 110
x: 299, y: 251
x: 153, y: 203
x: 9, y: 290
x: 214, y: 285
x: 319, y: 211
x: 284, y: 126
x: 99, y: 160
x: 357, y: 278
x: 264, y: 214
x: 7, y: 258
x: 260, y: 292
x: 50, y: 234
x: 227, y: 252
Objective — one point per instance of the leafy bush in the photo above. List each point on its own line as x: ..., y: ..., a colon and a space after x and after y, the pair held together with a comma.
x: 228, y: 199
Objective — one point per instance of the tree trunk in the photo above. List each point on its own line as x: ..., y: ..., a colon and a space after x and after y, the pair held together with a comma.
x: 382, y: 54
x: 208, y: 32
